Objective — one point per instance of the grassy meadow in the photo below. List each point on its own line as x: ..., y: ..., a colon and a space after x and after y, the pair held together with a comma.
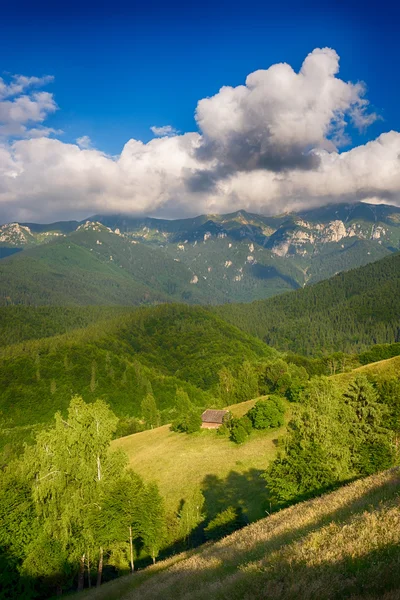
x: 388, y: 368
x: 227, y: 473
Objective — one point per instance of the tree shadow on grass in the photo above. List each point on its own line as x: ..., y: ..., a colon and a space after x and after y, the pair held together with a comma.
x: 382, y: 492
x: 245, y: 492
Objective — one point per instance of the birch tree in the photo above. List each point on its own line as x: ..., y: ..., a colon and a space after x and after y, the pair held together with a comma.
x: 71, y: 464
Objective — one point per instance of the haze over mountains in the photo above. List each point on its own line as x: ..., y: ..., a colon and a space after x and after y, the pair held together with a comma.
x: 241, y: 256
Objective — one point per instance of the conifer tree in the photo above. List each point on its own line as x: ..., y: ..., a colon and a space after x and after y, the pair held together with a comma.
x: 371, y: 443
x: 151, y: 524
x: 150, y: 413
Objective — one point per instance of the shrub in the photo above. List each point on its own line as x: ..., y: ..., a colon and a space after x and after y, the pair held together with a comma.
x: 225, y: 523
x: 267, y: 413
x: 240, y: 430
x: 127, y: 426
x: 189, y: 419
x: 246, y: 424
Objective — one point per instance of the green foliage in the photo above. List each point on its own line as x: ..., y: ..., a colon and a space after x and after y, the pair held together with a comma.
x: 379, y: 352
x: 119, y: 360
x: 150, y: 414
x: 188, y: 418
x: 371, y: 443
x: 225, y: 523
x: 128, y: 426
x: 285, y: 378
x: 152, y: 521
x: 240, y: 429
x: 246, y: 383
x: 268, y: 413
x: 22, y: 323
x: 332, y: 437
x: 69, y: 498
x: 389, y: 394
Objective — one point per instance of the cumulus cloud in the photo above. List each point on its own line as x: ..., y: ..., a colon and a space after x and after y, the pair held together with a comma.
x: 84, y: 142
x: 22, y: 110
x: 280, y: 118
x: 165, y: 130
x: 270, y: 145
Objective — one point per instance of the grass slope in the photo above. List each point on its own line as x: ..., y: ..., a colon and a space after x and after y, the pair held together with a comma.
x: 228, y: 474
x: 346, y: 313
x: 389, y: 368
x: 342, y: 545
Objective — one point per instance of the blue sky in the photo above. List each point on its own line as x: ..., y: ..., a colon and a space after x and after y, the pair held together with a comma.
x: 295, y: 140
x: 121, y: 67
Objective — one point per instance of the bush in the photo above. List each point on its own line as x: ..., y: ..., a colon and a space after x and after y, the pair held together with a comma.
x: 225, y: 523
x: 267, y: 414
x: 240, y: 429
x: 223, y: 429
x: 127, y: 426
x: 188, y: 419
x: 188, y: 423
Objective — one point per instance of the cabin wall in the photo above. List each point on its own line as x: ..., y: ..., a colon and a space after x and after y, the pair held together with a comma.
x: 206, y: 425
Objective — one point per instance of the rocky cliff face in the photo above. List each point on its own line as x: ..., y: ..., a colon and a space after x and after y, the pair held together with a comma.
x: 14, y: 234
x: 301, y: 237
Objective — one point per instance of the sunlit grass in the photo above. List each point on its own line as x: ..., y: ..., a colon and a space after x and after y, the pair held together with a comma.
x: 180, y: 463
x: 389, y: 368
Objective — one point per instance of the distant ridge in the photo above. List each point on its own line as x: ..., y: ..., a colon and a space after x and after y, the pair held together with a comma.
x: 209, y: 259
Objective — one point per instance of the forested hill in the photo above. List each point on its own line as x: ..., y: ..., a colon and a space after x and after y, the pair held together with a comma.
x: 142, y: 354
x: 347, y: 313
x: 93, y: 266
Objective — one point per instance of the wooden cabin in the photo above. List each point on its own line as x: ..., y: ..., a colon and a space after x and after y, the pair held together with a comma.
x: 212, y: 419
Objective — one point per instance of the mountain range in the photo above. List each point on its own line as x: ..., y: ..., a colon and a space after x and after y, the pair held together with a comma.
x: 210, y: 259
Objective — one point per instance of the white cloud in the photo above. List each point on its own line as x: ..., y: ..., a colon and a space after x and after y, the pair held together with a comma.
x: 84, y: 142
x: 270, y: 145
x: 20, y: 83
x: 164, y: 131
x: 279, y: 118
x: 22, y: 110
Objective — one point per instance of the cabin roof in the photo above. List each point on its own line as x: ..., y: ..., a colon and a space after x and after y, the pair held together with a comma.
x: 213, y: 416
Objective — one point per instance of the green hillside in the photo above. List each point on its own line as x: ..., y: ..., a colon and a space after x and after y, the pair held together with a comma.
x: 342, y: 545
x: 121, y: 360
x: 184, y: 489
x: 95, y: 266
x: 347, y: 313
x: 388, y: 368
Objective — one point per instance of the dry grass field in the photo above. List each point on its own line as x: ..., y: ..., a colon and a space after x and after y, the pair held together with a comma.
x: 345, y: 544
